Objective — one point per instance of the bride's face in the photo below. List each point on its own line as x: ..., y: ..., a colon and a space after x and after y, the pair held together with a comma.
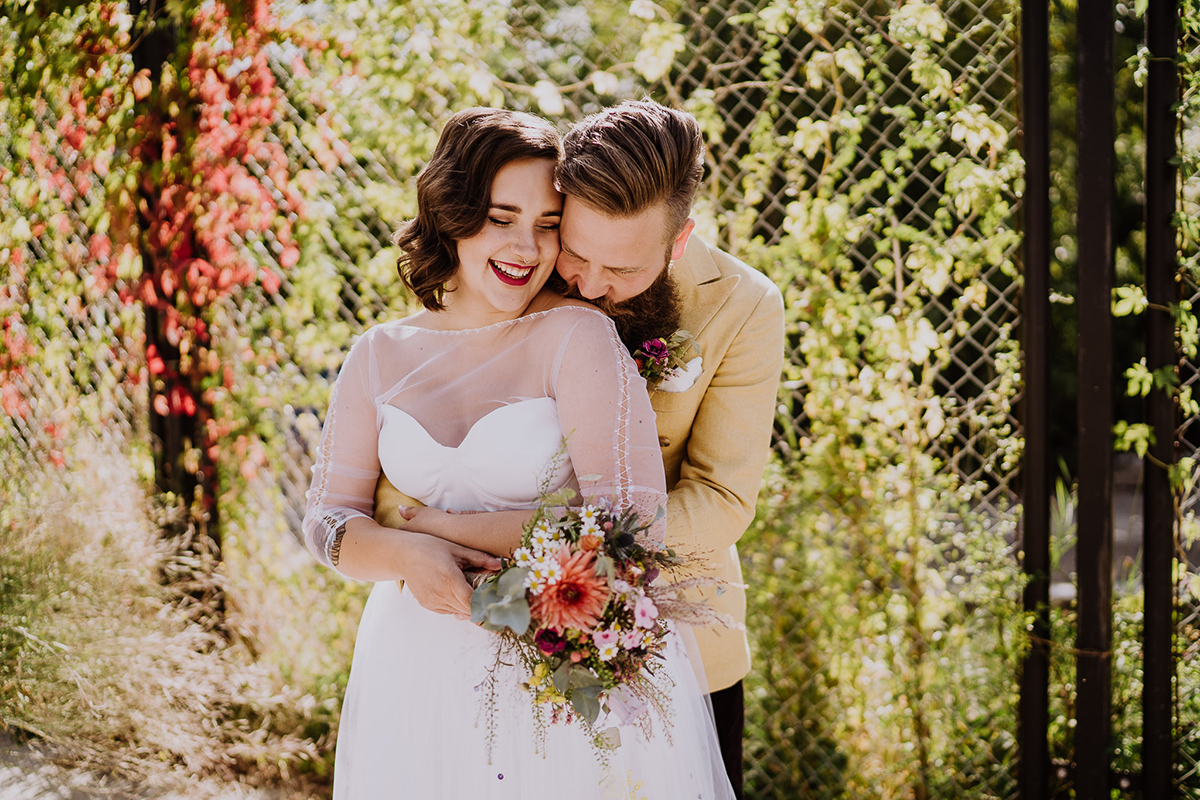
x: 502, y: 267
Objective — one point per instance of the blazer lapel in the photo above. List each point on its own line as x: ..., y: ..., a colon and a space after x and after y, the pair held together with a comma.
x: 702, y: 289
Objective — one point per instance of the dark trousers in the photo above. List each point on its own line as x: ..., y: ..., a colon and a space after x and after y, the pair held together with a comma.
x: 729, y: 713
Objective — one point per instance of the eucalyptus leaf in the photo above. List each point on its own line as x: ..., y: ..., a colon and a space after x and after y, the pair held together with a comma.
x: 582, y: 677
x: 510, y: 613
x: 482, y: 599
x: 512, y: 583
x: 586, y: 701
x: 562, y: 677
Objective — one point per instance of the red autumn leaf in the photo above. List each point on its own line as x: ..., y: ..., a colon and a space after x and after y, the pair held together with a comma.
x: 289, y: 257
x: 172, y: 327
x: 14, y: 404
x: 182, y: 402
x: 142, y: 85
x: 146, y: 292
x: 100, y: 247
x: 154, y: 361
x: 270, y: 281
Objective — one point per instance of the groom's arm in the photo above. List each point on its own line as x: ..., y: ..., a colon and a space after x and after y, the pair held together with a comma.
x: 496, y: 532
x: 713, y: 502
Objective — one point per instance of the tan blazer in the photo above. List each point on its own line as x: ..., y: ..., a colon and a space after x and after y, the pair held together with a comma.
x: 715, y: 436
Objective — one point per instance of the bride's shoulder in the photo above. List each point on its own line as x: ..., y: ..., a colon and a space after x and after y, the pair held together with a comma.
x: 391, y: 327
x: 551, y: 305
x: 389, y: 334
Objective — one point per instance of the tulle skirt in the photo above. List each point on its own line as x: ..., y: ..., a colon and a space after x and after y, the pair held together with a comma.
x: 415, y: 724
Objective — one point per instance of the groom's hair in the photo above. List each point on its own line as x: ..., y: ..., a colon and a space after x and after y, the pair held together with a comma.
x: 631, y: 157
x: 454, y: 191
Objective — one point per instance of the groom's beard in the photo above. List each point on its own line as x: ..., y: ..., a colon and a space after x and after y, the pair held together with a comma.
x: 650, y: 315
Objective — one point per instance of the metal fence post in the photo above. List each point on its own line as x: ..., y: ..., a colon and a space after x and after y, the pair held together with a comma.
x: 1162, y: 91
x: 1035, y: 327
x: 1096, y: 192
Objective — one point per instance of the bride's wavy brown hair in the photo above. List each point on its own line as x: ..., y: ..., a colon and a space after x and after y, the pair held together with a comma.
x: 454, y: 191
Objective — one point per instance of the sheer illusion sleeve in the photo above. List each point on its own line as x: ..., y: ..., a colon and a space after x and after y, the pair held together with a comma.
x: 606, y: 417
x: 347, y: 462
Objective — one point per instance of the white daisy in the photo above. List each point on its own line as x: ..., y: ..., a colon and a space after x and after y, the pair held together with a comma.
x: 590, y: 514
x: 543, y: 535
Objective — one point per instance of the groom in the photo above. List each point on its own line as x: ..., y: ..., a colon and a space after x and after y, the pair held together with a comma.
x: 629, y: 175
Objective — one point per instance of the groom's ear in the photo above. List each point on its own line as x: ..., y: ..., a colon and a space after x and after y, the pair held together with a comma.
x: 680, y: 243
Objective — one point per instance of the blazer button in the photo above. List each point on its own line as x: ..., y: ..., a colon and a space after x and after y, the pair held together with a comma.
x: 664, y: 441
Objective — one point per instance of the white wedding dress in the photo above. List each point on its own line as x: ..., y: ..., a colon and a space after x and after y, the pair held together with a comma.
x: 475, y: 420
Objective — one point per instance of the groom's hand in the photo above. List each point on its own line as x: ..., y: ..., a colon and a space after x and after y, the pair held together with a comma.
x: 433, y: 571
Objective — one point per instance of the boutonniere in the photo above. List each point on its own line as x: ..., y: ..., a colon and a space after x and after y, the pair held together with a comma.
x: 672, y: 364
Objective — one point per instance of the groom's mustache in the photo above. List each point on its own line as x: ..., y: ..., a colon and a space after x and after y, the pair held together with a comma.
x: 650, y: 315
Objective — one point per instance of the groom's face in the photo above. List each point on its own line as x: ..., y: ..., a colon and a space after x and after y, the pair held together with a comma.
x: 610, y: 260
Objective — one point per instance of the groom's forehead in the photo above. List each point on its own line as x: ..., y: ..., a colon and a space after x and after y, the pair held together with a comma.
x: 583, y: 225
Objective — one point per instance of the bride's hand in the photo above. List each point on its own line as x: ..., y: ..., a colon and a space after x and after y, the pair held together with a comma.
x: 433, y: 571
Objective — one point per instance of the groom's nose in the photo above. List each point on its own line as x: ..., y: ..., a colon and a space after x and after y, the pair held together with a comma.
x: 588, y: 282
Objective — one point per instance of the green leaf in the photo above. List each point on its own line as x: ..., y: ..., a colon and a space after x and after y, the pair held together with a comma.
x: 1137, y: 437
x: 605, y: 567
x: 586, y: 701
x: 1128, y: 300
x: 500, y: 603
x: 1181, y: 472
x: 582, y: 677
x: 511, y: 583
x: 512, y: 614
x: 562, y: 677
x: 1141, y: 381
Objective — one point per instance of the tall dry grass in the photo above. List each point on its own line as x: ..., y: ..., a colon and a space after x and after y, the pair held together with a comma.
x: 113, y: 658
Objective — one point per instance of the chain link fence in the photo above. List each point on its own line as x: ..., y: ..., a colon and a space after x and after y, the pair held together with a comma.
x: 1187, y: 618
x: 566, y: 60
x: 72, y: 367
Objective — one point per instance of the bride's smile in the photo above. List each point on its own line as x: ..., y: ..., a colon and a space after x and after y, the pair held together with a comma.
x: 507, y: 262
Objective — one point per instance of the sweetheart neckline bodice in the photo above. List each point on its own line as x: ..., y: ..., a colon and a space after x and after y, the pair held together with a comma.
x: 506, y: 459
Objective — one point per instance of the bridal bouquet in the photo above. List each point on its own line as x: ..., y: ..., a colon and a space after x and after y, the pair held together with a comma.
x: 580, y: 605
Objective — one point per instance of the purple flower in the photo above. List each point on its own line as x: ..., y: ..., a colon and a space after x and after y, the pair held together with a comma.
x: 656, y: 349
x: 549, y: 641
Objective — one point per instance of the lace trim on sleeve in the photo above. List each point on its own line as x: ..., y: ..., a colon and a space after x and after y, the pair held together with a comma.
x: 326, y: 511
x: 625, y: 493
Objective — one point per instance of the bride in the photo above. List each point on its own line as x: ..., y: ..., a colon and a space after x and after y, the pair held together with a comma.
x: 466, y: 405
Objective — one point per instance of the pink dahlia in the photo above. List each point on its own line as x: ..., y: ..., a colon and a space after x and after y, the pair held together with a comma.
x: 577, y: 600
